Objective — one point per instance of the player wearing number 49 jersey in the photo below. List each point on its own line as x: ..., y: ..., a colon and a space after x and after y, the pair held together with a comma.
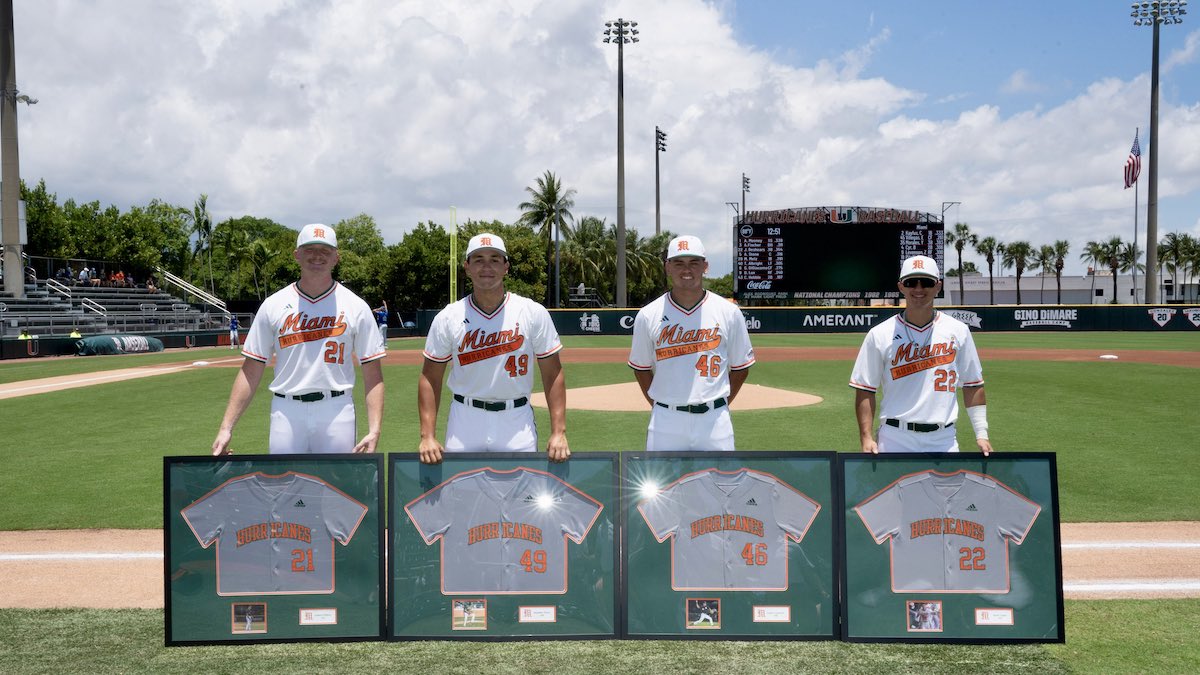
x: 315, y: 329
x: 491, y: 340
x: 691, y: 353
x: 920, y: 358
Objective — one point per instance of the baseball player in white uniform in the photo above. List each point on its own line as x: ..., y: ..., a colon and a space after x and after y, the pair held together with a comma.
x: 948, y: 532
x: 691, y: 353
x: 315, y: 329
x: 491, y: 340
x: 920, y: 358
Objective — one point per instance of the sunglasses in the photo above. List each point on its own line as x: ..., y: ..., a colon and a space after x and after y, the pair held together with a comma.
x: 923, y: 282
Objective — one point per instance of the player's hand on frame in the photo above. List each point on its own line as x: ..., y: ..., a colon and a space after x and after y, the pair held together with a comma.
x: 557, y: 448
x: 367, y: 444
x: 870, y: 446
x: 984, y: 445
x: 430, y: 451
x: 220, y: 446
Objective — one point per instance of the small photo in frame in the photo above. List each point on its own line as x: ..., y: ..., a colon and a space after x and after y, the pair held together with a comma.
x: 703, y: 613
x: 924, y: 616
x: 249, y: 617
x: 469, y: 615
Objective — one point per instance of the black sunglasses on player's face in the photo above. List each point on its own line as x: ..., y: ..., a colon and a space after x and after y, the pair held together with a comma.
x: 923, y: 282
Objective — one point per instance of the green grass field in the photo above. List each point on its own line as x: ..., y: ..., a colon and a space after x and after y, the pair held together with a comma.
x: 1124, y: 435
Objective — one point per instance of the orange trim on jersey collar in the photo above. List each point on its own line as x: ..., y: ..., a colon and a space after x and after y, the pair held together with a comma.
x: 317, y: 298
x: 471, y: 302
x: 677, y: 306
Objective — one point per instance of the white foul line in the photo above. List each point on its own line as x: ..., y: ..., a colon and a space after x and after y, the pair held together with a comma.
x: 1131, y: 586
x: 1132, y: 544
x: 18, y: 557
x: 112, y: 375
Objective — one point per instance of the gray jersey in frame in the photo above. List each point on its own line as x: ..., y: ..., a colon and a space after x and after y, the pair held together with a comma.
x: 274, y: 534
x: 729, y: 530
x: 948, y: 532
x: 503, y: 531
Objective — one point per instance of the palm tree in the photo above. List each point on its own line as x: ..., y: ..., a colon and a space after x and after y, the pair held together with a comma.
x: 202, y: 227
x: 1061, y: 248
x: 589, y: 254
x: 1128, y: 257
x: 1017, y: 255
x: 259, y: 255
x: 1110, y: 256
x: 1172, y: 254
x: 1191, y: 257
x: 550, y: 209
x: 960, y: 237
x: 1043, y: 260
x: 1093, y: 253
x: 988, y: 247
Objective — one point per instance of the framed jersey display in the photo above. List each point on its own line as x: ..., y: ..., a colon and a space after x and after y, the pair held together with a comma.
x: 503, y: 546
x: 273, y: 548
x: 733, y: 545
x: 952, y: 548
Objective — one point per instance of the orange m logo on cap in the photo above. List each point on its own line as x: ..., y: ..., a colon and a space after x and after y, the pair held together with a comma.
x: 485, y: 241
x: 683, y: 246
x: 918, y: 264
x: 319, y: 232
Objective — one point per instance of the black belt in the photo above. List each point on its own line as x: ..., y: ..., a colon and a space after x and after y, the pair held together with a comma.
x: 696, y: 409
x: 314, y: 396
x: 915, y: 426
x: 492, y: 406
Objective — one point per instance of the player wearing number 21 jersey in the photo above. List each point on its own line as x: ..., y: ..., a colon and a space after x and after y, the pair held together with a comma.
x: 691, y: 353
x: 920, y: 358
x: 491, y: 340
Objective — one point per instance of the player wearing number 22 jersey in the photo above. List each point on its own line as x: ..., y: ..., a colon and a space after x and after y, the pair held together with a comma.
x: 691, y: 353
x: 920, y: 358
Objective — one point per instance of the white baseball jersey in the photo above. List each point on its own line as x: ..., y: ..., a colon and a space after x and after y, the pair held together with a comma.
x: 503, y: 531
x: 919, y: 369
x: 274, y: 534
x: 492, y: 355
x: 314, y: 339
x: 948, y: 532
x: 729, y: 530
x: 691, y: 351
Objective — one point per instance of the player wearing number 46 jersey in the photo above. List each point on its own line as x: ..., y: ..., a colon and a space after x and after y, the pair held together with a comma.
x: 315, y: 329
x: 691, y: 353
x: 491, y: 339
x: 920, y: 358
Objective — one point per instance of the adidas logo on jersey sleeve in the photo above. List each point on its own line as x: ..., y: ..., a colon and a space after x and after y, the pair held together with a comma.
x: 299, y: 503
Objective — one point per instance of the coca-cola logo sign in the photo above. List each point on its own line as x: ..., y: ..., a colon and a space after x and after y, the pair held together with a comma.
x: 758, y: 285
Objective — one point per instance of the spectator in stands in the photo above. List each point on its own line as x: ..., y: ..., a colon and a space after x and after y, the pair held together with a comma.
x: 85, y: 276
x: 24, y: 335
x: 96, y: 278
x: 151, y: 285
x: 75, y: 333
x: 119, y: 279
x: 581, y: 289
x: 129, y: 281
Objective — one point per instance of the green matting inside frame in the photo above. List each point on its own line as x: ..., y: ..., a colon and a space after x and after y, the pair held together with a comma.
x: 489, y: 546
x: 723, y: 569
x: 952, y: 548
x: 273, y: 548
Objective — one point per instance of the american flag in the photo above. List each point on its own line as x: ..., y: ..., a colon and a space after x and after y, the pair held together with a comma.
x: 1133, y: 165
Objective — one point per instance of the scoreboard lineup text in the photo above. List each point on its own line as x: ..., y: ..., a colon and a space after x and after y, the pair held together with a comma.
x: 851, y: 253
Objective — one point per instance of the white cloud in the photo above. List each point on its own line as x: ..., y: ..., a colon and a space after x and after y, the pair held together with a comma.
x: 303, y: 112
x: 1020, y: 82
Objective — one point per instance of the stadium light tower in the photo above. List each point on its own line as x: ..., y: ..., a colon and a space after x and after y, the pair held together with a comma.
x: 620, y: 32
x: 1153, y: 13
x: 660, y: 145
x: 10, y: 165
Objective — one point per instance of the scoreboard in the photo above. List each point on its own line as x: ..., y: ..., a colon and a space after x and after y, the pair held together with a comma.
x: 825, y: 253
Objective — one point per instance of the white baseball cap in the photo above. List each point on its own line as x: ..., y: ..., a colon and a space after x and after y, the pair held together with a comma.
x: 685, y: 245
x: 316, y: 233
x: 485, y: 240
x: 920, y: 266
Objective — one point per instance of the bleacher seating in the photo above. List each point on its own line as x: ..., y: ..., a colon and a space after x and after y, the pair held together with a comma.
x: 94, y: 309
x: 587, y: 297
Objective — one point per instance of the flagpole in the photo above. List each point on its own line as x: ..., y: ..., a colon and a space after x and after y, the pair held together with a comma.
x: 1135, y: 234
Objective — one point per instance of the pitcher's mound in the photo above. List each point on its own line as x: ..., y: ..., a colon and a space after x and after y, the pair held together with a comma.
x: 627, y: 397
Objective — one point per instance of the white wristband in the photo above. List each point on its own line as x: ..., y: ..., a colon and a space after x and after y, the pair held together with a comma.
x: 978, y: 416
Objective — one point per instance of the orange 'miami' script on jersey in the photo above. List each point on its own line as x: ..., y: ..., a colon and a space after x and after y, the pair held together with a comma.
x: 273, y: 530
x: 477, y: 345
x: 728, y: 521
x: 299, y: 327
x: 674, y: 341
x: 911, y: 358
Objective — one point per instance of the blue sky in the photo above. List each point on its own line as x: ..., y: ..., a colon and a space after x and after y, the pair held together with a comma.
x: 310, y: 111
